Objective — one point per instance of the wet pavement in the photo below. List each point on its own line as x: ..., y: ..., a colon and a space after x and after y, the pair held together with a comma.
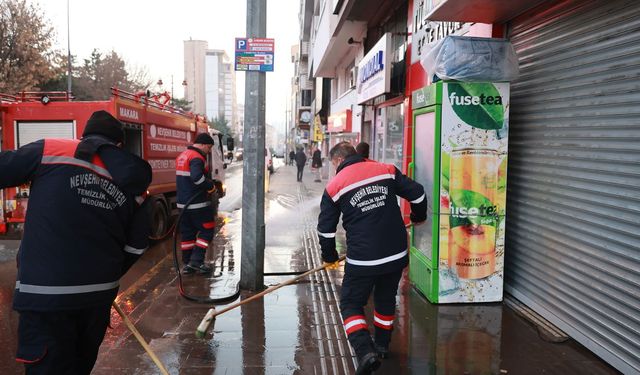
x: 296, y: 329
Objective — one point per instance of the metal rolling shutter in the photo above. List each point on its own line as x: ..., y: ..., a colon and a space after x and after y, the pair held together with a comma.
x: 28, y: 132
x: 573, y: 211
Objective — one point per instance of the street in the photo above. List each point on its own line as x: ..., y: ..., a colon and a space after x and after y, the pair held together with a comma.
x: 297, y: 329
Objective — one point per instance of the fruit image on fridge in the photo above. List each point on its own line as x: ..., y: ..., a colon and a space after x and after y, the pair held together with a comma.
x: 460, y: 157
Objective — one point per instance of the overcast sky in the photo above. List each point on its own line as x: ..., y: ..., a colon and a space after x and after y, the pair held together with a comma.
x: 150, y: 33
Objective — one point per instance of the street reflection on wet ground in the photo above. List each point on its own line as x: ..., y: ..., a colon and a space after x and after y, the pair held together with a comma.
x: 296, y: 329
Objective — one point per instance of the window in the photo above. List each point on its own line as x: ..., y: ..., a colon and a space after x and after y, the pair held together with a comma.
x: 394, y: 135
x: 305, y: 99
x: 353, y: 76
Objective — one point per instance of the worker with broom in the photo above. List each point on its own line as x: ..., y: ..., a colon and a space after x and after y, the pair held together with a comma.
x: 364, y: 193
x: 86, y: 224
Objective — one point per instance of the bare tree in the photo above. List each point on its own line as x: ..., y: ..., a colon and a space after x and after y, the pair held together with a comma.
x: 26, y: 55
x: 139, y: 77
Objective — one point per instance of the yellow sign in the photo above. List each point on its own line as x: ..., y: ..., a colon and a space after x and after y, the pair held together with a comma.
x: 318, y: 134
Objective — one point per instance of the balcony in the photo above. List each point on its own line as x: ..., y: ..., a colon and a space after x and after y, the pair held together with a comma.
x: 330, y: 44
x: 304, y: 49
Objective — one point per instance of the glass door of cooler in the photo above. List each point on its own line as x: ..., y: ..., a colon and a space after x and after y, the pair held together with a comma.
x: 425, y: 237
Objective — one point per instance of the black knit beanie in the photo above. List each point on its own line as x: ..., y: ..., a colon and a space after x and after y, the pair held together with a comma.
x: 102, y: 123
x: 204, y: 139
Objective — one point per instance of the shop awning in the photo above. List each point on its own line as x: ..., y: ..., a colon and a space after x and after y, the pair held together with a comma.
x: 483, y: 11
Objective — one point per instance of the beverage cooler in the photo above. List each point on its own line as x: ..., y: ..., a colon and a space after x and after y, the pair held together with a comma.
x: 460, y: 157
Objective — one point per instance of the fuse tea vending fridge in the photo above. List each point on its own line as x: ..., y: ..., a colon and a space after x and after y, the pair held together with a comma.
x: 460, y: 157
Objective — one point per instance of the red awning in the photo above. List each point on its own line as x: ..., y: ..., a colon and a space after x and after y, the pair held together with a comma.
x: 483, y: 11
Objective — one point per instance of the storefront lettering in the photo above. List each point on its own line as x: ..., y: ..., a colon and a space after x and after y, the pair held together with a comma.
x: 372, y: 67
x: 425, y: 31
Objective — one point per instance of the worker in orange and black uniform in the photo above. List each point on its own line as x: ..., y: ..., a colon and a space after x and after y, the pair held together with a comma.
x: 87, y: 223
x: 198, y: 223
x: 364, y: 193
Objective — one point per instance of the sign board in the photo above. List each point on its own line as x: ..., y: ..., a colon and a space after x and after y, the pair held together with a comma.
x: 426, y: 32
x: 340, y: 122
x: 374, y: 71
x: 254, y: 54
x: 318, y: 134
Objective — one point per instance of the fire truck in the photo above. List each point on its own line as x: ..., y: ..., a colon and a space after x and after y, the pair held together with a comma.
x: 154, y: 130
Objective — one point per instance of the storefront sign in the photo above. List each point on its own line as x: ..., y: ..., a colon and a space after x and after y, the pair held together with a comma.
x: 374, y: 71
x: 426, y: 32
x: 318, y: 133
x: 340, y: 122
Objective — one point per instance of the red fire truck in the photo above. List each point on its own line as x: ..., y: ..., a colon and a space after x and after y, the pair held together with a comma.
x: 154, y: 131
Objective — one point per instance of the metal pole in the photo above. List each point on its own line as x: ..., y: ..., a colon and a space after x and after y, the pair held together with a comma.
x: 252, y: 263
x: 286, y: 140
x: 68, y: 53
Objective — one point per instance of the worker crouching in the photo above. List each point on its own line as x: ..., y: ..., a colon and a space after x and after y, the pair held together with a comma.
x: 364, y: 192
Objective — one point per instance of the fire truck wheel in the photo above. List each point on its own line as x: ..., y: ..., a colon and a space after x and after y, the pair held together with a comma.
x: 159, y: 219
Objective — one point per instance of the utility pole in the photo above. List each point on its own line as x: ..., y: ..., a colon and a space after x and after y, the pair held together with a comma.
x: 286, y: 139
x: 68, y: 52
x: 252, y: 249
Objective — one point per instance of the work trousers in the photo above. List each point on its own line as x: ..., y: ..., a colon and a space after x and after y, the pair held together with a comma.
x: 300, y: 169
x: 354, y: 296
x: 61, y: 342
x: 196, y: 229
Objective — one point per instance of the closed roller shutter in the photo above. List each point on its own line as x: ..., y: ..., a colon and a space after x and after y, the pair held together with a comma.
x: 573, y: 211
x: 28, y: 132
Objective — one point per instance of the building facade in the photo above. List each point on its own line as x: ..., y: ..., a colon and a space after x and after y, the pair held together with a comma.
x: 572, y: 250
x: 194, y: 74
x: 211, y: 82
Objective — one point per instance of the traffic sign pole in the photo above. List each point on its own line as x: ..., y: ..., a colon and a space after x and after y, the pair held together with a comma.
x: 253, y: 236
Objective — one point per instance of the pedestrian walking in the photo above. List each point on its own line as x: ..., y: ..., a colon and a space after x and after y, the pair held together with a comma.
x: 198, y: 222
x: 301, y: 160
x: 316, y: 163
x: 364, y: 193
x: 363, y: 149
x: 87, y: 224
x: 292, y: 157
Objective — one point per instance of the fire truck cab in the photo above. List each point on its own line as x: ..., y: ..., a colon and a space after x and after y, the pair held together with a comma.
x: 154, y: 130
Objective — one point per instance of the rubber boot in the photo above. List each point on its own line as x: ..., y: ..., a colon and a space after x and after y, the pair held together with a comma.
x: 365, y: 352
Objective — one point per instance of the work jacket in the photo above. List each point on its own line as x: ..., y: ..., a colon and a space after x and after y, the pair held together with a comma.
x: 85, y: 224
x: 191, y: 179
x: 365, y: 193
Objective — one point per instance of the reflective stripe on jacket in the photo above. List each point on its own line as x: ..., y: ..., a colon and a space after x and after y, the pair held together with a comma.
x: 191, y: 178
x: 365, y: 193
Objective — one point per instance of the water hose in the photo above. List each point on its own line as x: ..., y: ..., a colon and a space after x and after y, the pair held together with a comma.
x: 177, y: 265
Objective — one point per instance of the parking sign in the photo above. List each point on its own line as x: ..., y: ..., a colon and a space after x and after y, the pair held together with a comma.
x: 254, y: 54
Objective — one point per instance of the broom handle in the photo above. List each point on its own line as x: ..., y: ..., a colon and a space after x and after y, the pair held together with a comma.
x: 141, y: 340
x: 212, y: 313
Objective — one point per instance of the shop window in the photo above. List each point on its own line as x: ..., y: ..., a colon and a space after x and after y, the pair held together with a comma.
x: 393, y: 137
